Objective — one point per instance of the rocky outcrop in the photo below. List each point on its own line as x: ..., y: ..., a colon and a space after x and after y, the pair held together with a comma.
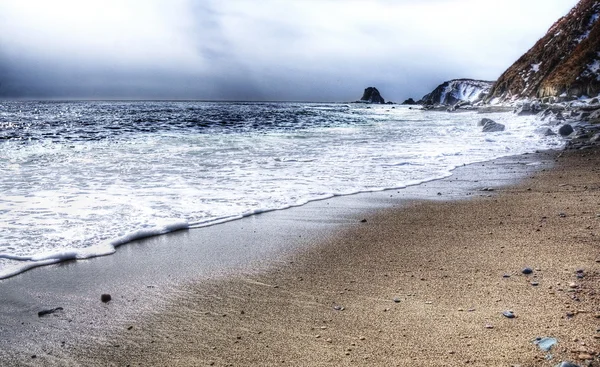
x: 409, y: 101
x: 458, y: 90
x: 564, y: 64
x: 371, y: 95
x: 490, y: 126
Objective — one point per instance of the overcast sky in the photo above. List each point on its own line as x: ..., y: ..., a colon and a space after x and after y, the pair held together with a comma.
x: 310, y: 50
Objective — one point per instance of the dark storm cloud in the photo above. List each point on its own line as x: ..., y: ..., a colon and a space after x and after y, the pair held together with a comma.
x: 246, y: 50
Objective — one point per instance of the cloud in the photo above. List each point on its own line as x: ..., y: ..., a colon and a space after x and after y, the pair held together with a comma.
x: 273, y: 49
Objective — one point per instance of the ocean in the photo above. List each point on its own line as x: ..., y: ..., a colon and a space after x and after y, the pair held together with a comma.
x: 81, y: 178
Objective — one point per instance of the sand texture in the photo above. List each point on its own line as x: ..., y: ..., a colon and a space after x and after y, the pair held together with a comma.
x: 424, y: 285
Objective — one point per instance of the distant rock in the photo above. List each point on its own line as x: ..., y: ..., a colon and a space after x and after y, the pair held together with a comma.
x: 455, y: 91
x: 409, y: 101
x: 372, y: 95
x: 563, y: 65
x: 490, y: 126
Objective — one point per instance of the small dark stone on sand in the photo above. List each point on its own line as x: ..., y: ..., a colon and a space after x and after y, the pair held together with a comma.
x: 105, y: 298
x: 338, y: 308
x: 535, y: 284
x: 562, y: 215
x: 506, y: 276
x: 363, y: 221
x: 49, y: 311
x: 397, y: 300
x: 33, y: 356
x: 527, y: 271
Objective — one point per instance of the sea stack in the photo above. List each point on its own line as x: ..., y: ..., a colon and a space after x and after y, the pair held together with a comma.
x: 371, y: 95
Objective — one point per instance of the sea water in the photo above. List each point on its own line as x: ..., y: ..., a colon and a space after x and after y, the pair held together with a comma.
x: 78, y: 179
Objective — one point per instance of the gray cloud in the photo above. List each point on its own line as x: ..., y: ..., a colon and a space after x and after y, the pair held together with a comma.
x: 244, y: 50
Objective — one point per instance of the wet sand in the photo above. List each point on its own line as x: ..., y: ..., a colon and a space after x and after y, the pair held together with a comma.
x: 419, y: 283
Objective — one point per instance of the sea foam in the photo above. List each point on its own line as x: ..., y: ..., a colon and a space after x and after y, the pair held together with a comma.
x: 83, y: 178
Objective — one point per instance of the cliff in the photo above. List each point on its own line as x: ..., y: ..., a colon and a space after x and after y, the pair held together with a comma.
x: 564, y: 63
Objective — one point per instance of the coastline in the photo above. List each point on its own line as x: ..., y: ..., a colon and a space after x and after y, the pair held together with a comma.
x: 159, y: 305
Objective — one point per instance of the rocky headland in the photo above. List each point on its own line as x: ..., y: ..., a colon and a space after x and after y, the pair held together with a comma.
x: 563, y: 65
x: 558, y: 80
x: 458, y: 92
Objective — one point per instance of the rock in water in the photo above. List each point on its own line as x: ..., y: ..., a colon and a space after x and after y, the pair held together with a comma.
x: 409, y: 101
x: 565, y: 130
x: 371, y: 95
x: 490, y: 126
x: 544, y: 131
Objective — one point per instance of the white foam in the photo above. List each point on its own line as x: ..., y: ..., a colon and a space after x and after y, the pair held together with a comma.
x: 71, y: 201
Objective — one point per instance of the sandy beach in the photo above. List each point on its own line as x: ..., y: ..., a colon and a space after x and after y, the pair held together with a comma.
x: 421, y: 283
x: 425, y: 285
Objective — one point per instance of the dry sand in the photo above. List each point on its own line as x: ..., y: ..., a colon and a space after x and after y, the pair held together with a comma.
x: 424, y: 285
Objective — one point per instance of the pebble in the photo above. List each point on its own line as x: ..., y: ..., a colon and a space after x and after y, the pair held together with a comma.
x: 105, y: 297
x: 506, y: 276
x: 47, y: 312
x: 509, y: 314
x: 566, y: 364
x: 527, y: 271
x: 545, y: 343
x: 573, y: 285
x: 489, y: 326
x: 562, y: 215
x: 535, y: 284
x: 584, y: 356
x: 339, y: 308
x: 397, y: 300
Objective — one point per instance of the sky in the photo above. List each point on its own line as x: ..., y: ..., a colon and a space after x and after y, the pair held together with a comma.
x: 276, y: 50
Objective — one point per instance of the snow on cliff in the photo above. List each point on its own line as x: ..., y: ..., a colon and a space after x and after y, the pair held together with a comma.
x: 458, y: 90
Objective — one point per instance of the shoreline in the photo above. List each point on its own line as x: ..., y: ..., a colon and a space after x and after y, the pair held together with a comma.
x: 431, y: 295
x: 152, y: 296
